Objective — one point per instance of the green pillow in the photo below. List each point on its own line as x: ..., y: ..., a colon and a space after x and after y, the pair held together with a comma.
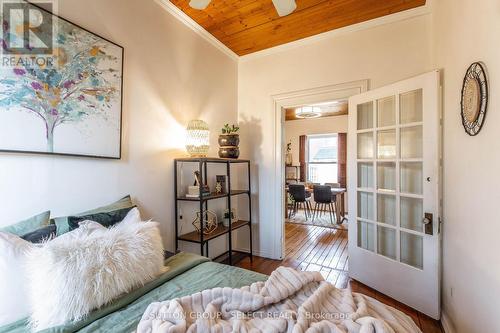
x: 29, y: 225
x: 62, y: 223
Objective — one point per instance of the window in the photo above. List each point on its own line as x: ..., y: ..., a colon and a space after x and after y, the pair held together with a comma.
x: 322, y: 158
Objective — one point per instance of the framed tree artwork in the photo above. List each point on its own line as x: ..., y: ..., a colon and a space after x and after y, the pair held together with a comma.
x: 66, y: 100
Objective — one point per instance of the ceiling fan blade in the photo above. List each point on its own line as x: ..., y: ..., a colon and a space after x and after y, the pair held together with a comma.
x: 199, y: 4
x: 284, y: 7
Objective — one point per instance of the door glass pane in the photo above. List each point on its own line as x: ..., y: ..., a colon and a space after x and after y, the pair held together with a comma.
x: 386, y: 144
x: 412, y: 214
x: 411, y: 142
x: 411, y: 178
x: 365, y: 206
x: 366, y: 236
x: 411, y: 107
x: 386, y: 112
x: 365, y: 116
x: 386, y: 209
x: 365, y: 175
x: 386, y: 176
x: 386, y: 242
x: 365, y: 145
x: 412, y: 250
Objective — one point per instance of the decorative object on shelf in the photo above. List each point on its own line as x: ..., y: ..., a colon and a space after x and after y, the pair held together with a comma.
x: 474, y: 103
x: 210, y: 222
x: 233, y: 217
x: 229, y: 141
x: 220, y: 184
x: 289, y: 156
x: 292, y: 173
x: 194, y: 190
x: 205, y: 189
x: 69, y: 102
x: 198, y: 138
x: 308, y: 112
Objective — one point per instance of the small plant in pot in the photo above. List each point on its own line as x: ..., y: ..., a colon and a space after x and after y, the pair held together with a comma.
x: 229, y: 141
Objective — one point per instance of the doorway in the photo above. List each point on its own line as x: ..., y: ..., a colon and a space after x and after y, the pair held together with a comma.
x: 281, y: 103
x: 315, y: 222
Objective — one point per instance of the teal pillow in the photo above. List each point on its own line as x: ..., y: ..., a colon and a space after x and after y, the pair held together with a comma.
x: 29, y: 225
x: 107, y: 219
x: 62, y: 223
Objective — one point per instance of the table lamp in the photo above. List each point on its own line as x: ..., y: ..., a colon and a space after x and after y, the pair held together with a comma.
x: 198, y: 138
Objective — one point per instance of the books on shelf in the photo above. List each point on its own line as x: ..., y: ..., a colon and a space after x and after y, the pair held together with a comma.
x: 204, y: 194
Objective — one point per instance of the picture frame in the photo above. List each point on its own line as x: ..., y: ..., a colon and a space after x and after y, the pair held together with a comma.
x: 227, y: 216
x: 85, y: 117
x: 220, y: 184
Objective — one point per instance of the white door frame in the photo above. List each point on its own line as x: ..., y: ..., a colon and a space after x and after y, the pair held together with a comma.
x: 279, y: 103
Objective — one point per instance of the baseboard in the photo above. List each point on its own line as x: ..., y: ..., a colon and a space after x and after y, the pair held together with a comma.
x: 446, y: 323
x: 257, y: 253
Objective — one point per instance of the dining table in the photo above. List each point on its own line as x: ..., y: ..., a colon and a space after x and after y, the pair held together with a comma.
x: 338, y: 192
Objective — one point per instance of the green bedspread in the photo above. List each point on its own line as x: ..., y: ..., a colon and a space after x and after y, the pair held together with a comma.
x: 188, y: 274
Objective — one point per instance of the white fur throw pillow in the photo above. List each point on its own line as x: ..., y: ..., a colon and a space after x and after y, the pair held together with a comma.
x: 73, y: 275
x: 14, y: 304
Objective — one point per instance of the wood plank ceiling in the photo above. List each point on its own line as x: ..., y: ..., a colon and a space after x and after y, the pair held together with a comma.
x: 337, y: 108
x: 247, y: 26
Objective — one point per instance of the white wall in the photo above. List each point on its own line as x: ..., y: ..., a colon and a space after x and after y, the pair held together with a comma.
x: 171, y: 75
x: 295, y: 128
x: 383, y: 54
x: 455, y: 35
x: 468, y: 31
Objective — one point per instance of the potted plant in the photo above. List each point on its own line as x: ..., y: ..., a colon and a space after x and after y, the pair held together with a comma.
x: 229, y: 141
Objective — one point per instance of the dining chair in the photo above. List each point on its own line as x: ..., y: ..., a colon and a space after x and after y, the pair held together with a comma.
x: 290, y: 205
x: 300, y: 198
x: 324, y: 200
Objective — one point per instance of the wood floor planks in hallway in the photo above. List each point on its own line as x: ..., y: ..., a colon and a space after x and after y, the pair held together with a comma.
x: 313, y: 248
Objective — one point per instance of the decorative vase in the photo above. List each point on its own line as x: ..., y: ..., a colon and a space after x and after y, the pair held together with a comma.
x: 226, y: 140
x: 289, y: 159
x: 229, y: 152
x: 229, y: 146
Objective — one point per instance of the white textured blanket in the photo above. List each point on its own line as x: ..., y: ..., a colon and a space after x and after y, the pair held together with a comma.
x: 289, y: 301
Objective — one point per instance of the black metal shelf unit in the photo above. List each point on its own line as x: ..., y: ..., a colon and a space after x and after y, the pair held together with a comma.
x: 199, y: 237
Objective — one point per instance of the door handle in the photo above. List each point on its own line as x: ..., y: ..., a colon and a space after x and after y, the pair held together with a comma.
x: 427, y: 221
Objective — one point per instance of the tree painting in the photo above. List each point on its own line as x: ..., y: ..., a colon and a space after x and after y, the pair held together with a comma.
x: 83, y: 81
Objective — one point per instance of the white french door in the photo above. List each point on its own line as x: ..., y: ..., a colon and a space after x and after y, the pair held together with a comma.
x: 394, y: 191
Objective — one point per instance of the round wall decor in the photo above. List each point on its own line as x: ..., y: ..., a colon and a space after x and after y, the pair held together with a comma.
x: 474, y: 101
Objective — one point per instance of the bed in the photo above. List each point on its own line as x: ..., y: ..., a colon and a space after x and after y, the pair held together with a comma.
x: 188, y: 274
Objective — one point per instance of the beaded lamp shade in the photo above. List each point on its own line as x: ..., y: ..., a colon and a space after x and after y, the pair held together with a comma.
x: 198, y: 138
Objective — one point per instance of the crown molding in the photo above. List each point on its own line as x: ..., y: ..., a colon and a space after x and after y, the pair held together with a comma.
x: 388, y: 19
x: 190, y: 23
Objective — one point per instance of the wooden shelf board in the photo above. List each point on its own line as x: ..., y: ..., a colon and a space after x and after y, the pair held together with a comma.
x: 237, y: 257
x: 213, y: 196
x: 194, y: 236
x: 211, y: 160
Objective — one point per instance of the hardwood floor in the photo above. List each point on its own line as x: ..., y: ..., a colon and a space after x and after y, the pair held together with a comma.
x: 313, y: 248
